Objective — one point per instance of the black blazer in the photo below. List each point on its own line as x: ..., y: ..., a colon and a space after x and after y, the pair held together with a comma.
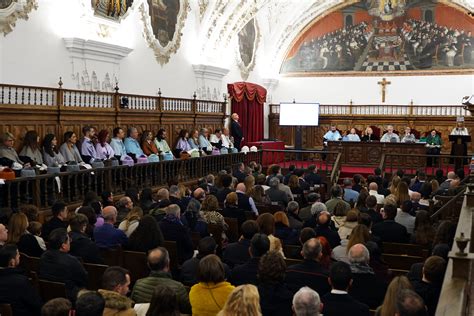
x: 275, y: 299
x: 50, y: 226
x: 29, y: 246
x: 308, y: 273
x: 276, y: 195
x: 391, y: 231
x: 236, y: 132
x: 235, y: 212
x: 17, y: 291
x: 83, y: 247
x: 245, y: 273
x: 368, y: 289
x: 222, y: 194
x: 366, y: 138
x: 180, y: 234
x: 58, y: 266
x: 237, y: 253
x: 343, y: 304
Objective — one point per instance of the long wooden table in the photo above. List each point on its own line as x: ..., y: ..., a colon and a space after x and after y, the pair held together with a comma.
x: 370, y: 154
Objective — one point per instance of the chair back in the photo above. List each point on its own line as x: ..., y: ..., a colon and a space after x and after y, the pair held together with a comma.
x: 94, y: 274
x: 172, y: 248
x: 137, y: 264
x: 233, y: 230
x: 401, y: 262
x: 29, y: 263
x: 112, y: 256
x: 216, y: 233
x: 50, y: 290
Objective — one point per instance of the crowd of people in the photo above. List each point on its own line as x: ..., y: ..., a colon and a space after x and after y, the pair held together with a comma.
x: 452, y: 47
x: 339, y: 243
x: 113, y: 147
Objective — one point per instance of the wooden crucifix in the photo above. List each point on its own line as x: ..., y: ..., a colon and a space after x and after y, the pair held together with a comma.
x: 384, y: 83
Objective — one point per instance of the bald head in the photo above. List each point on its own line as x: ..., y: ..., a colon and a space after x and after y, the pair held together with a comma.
x: 241, y: 187
x: 173, y: 209
x: 110, y: 214
x: 163, y: 194
x: 312, y: 249
x: 451, y: 175
x: 199, y: 194
x: 373, y: 186
x: 159, y: 259
x: 358, y: 254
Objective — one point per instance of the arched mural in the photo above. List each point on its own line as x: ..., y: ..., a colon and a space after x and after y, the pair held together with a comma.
x: 372, y: 36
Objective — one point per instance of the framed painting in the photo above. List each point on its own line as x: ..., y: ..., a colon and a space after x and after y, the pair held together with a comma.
x: 248, y: 39
x: 111, y: 9
x: 164, y: 21
x: 399, y: 37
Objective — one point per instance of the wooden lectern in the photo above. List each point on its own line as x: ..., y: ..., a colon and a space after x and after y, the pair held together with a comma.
x: 459, y: 148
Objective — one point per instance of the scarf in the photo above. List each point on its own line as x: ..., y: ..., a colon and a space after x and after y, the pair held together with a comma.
x: 361, y: 268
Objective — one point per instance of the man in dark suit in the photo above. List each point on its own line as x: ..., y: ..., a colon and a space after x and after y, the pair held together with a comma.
x: 226, y: 181
x: 366, y: 287
x: 310, y: 272
x: 247, y: 272
x: 59, y: 210
x: 389, y: 230
x: 276, y: 195
x: 312, y: 177
x: 236, y: 130
x: 371, y: 203
x: 338, y: 301
x: 239, y: 172
x: 238, y: 252
x: 58, y: 266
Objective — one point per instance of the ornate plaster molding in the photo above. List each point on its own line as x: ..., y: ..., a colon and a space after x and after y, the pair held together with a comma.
x: 246, y: 69
x: 163, y: 54
x: 16, y: 10
x: 209, y: 81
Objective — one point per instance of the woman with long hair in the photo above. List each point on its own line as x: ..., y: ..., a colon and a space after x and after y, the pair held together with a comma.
x: 194, y: 218
x: 146, y: 199
x: 18, y: 234
x: 445, y: 234
x: 31, y: 151
x: 257, y: 194
x: 402, y: 193
x: 394, y: 184
x: 147, y: 143
x: 326, y: 253
x: 249, y: 184
x: 244, y: 300
x: 359, y: 235
x: 103, y: 149
x: 69, y: 148
x: 424, y: 231
x: 51, y: 156
x: 131, y: 221
x: 164, y: 302
x: 146, y: 236
x: 389, y: 305
x: 361, y: 204
x: 283, y: 231
x: 266, y: 223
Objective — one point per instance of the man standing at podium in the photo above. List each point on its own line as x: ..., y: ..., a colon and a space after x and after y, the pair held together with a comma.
x: 236, y: 130
x: 459, y: 130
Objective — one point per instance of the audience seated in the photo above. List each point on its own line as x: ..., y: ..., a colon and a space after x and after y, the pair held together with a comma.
x: 274, y: 194
x: 115, y: 286
x: 339, y: 301
x: 15, y: 288
x: 424, y: 232
x: 164, y: 301
x: 147, y: 235
x: 389, y: 230
x: 366, y: 286
x: 58, y: 266
x: 189, y: 269
x: 349, y: 195
x: 57, y: 307
x: 89, y: 303
x: 130, y: 223
x: 336, y: 198
x: 81, y: 245
x: 306, y: 302
x: 174, y: 230
x: 232, y: 209
x: 405, y: 218
x: 159, y: 264
x: 283, y: 231
x: 226, y: 182
x: 305, y: 234
x: 124, y: 206
x: 59, y: 210
x: 18, y: 234
x: 243, y: 300
x: 312, y: 177
x: 88, y: 151
x: 245, y: 202
x: 371, y: 203
x: 238, y: 252
x: 429, y: 287
x: 103, y: 148
x: 147, y: 144
x: 208, y: 297
x: 315, y: 210
x: 410, y: 303
x: 324, y: 229
x: 266, y: 223
x: 310, y: 272
x: 132, y: 147
x: 162, y: 145
x: 373, y: 191
x: 389, y: 306
x: 292, y: 211
x: 31, y: 151
x: 107, y: 236
x: 275, y: 297
x: 8, y: 153
x: 117, y: 143
x: 345, y: 229
x: 247, y: 272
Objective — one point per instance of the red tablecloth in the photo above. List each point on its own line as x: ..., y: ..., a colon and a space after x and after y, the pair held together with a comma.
x: 269, y: 158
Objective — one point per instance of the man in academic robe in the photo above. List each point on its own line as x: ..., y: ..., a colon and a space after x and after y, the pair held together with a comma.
x: 236, y: 130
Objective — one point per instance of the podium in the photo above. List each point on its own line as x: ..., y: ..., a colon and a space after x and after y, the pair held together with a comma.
x: 459, y: 148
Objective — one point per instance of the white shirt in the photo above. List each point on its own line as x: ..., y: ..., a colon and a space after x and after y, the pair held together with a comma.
x: 251, y: 202
x: 378, y: 196
x: 338, y: 292
x: 460, y: 131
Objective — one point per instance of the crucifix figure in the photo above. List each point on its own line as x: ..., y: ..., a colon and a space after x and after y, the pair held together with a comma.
x: 384, y: 83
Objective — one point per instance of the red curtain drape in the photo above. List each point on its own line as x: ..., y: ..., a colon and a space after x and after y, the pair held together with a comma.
x: 247, y: 102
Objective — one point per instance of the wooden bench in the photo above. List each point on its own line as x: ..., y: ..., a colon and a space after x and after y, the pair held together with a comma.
x: 173, y: 253
x: 50, y: 289
x: 29, y: 263
x: 405, y: 249
x: 233, y: 230
x: 401, y: 262
x: 290, y: 250
x: 94, y: 274
x: 112, y: 256
x: 137, y: 264
x: 290, y: 262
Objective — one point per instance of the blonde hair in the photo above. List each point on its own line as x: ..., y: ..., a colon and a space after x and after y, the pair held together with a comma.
x: 17, y: 227
x: 394, y: 186
x: 402, y: 193
x: 249, y: 183
x: 242, y: 301
x: 359, y: 235
x: 389, y: 305
x: 134, y: 215
x: 280, y: 217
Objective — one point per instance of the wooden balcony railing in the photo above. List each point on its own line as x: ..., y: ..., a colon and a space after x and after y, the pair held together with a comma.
x: 43, y: 190
x: 456, y: 293
x: 379, y: 110
x: 67, y: 98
